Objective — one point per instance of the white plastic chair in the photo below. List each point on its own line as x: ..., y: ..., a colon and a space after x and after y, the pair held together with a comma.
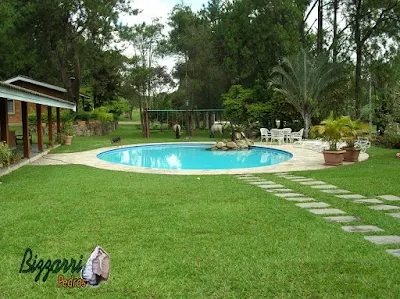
x: 277, y: 135
x: 287, y: 133
x: 265, y: 134
x: 363, y: 144
x: 297, y: 135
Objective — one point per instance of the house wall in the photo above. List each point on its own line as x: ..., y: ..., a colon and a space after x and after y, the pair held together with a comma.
x: 16, y: 117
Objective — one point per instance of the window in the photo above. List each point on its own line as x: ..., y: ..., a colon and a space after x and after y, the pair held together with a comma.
x: 11, y: 106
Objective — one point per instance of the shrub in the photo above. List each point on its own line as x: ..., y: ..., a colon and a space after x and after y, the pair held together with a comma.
x: 5, y: 154
x: 82, y: 116
x: 389, y: 140
x: 67, y: 129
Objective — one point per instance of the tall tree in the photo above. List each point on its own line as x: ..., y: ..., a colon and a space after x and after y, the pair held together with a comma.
x: 369, y: 19
x: 301, y: 81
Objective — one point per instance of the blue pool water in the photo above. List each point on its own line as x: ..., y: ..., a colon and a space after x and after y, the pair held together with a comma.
x: 189, y: 156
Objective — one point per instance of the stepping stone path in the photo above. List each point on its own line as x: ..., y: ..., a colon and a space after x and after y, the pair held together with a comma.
x: 342, y: 218
x: 382, y: 240
x: 271, y: 186
x: 288, y: 194
x: 373, y: 200
x: 350, y: 196
x: 395, y: 252
x: 313, y: 183
x: 395, y: 215
x: 315, y: 207
x: 302, y: 180
x: 390, y: 197
x: 384, y: 207
x: 362, y: 229
x: 324, y: 187
x: 300, y: 199
x: 312, y: 205
x: 263, y: 183
x: 326, y: 211
x: 337, y: 191
x: 279, y: 190
x: 294, y: 177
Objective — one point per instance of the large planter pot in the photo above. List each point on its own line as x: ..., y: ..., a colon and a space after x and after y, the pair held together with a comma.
x: 351, y: 154
x: 67, y: 140
x: 333, y: 158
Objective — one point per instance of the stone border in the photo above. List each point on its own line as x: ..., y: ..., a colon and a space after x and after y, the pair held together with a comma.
x: 303, y: 159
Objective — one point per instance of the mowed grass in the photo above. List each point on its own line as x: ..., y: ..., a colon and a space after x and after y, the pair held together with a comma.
x: 182, y: 237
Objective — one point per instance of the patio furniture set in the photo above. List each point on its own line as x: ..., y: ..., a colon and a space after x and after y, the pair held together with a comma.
x: 281, y: 135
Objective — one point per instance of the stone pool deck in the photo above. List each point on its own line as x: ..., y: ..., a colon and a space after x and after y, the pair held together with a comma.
x: 303, y: 159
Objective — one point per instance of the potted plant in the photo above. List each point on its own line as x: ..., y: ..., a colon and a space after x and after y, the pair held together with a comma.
x: 68, y: 131
x: 331, y: 131
x: 351, y: 130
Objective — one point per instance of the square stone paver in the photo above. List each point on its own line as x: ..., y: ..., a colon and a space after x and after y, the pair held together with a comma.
x: 362, y: 229
x: 336, y: 191
x: 313, y: 183
x: 303, y: 180
x: 383, y: 239
x: 342, y: 218
x: 279, y: 190
x: 323, y: 187
x: 271, y: 186
x: 390, y: 197
x: 289, y: 194
x: 368, y: 200
x: 294, y: 177
x: 326, y: 211
x: 263, y: 183
x: 312, y: 205
x: 300, y: 199
x: 395, y: 215
x: 350, y: 196
x: 384, y: 207
x: 395, y: 252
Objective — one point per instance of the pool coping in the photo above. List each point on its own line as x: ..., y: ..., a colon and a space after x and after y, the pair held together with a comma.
x: 303, y: 159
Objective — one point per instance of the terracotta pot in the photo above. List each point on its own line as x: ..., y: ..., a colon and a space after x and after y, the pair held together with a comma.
x: 351, y: 154
x: 333, y: 158
x: 67, y: 140
x: 81, y: 123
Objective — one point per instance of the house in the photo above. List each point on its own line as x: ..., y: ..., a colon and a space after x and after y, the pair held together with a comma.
x: 14, y: 106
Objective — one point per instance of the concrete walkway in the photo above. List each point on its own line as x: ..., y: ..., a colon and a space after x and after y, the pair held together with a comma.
x: 303, y: 159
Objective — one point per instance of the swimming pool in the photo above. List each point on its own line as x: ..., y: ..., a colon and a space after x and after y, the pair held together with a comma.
x: 193, y: 156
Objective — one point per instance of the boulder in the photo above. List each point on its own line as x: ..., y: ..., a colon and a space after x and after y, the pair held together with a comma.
x: 231, y: 144
x: 214, y: 147
x: 221, y: 144
x: 224, y: 148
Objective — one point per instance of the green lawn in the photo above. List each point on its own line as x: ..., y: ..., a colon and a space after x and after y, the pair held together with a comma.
x: 195, y: 237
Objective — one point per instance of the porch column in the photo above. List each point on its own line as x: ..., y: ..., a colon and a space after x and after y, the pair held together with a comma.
x: 50, y: 123
x: 39, y: 127
x: 58, y: 120
x: 4, y: 120
x: 25, y: 130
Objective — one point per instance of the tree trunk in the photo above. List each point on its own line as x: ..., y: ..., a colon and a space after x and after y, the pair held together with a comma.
x: 358, y: 42
x: 335, y: 26
x: 320, y: 38
x: 307, y: 124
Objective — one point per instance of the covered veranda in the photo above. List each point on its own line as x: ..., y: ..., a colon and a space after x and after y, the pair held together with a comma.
x: 12, y: 92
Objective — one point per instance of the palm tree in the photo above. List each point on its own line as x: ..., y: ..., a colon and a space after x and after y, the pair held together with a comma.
x: 301, y: 81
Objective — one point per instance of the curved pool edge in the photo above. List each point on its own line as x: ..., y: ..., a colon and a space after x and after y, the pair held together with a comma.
x: 303, y: 159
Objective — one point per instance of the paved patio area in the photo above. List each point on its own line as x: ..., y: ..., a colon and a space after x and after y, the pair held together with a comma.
x: 303, y: 159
